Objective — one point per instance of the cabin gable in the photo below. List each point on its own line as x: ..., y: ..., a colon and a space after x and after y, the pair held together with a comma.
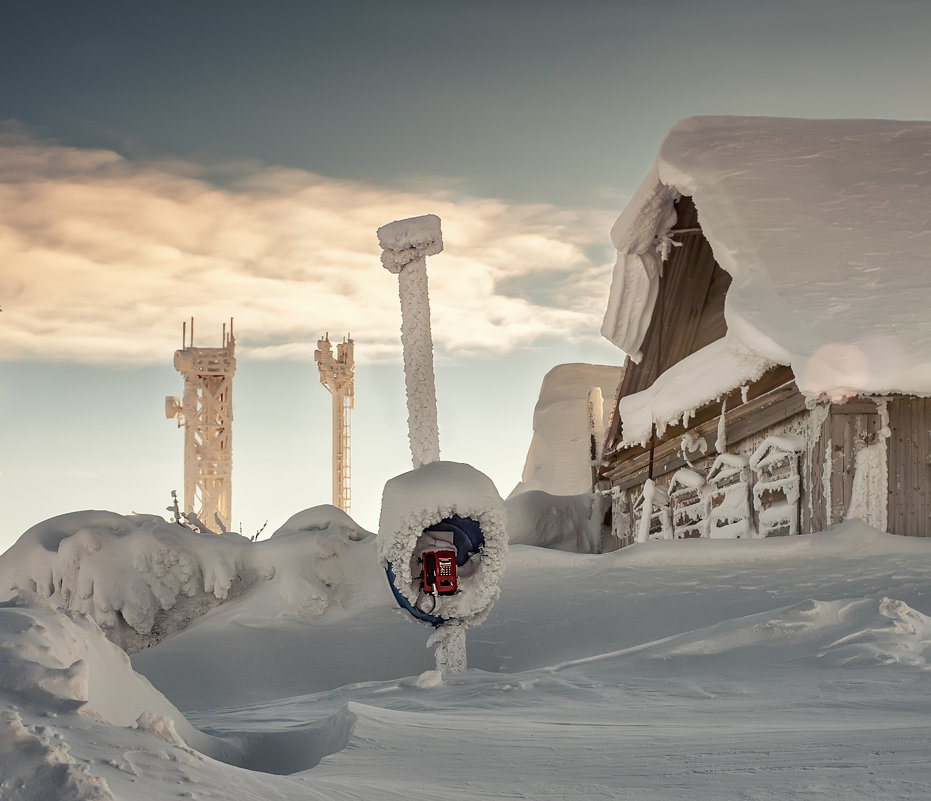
x: 689, y: 309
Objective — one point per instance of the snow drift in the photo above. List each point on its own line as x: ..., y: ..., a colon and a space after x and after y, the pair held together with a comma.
x: 143, y: 579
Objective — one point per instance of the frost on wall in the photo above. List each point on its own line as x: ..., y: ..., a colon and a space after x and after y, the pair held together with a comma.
x: 777, y: 489
x: 818, y: 414
x: 869, y: 495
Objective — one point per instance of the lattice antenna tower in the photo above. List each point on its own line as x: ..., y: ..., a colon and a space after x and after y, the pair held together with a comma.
x: 337, y: 374
x: 206, y: 413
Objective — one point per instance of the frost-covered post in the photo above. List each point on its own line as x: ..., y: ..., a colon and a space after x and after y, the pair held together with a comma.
x: 442, y: 535
x: 405, y: 247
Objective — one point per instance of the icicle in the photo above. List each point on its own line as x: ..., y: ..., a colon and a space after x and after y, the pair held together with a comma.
x: 720, y: 444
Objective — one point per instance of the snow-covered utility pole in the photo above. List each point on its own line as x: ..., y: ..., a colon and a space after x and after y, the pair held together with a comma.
x: 405, y: 247
x: 337, y: 374
x: 206, y: 412
x: 442, y: 535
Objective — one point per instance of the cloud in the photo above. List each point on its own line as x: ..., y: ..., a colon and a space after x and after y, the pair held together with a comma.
x: 103, y: 258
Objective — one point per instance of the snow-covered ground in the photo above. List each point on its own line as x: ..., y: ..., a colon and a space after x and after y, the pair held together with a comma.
x: 788, y: 668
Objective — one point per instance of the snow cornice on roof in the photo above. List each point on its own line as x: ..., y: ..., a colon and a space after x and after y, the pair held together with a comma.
x: 825, y: 228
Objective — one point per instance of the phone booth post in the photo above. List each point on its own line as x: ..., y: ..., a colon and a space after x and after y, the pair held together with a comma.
x: 442, y: 536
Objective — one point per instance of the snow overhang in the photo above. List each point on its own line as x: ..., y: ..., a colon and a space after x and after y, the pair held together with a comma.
x: 705, y: 376
x: 825, y: 228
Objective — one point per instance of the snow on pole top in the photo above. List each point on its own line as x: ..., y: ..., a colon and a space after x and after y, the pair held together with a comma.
x: 412, y: 239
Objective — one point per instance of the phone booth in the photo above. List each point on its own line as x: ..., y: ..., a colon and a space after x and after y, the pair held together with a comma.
x: 443, y: 566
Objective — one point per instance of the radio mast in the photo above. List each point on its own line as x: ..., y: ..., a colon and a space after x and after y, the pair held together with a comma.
x: 206, y: 413
x: 338, y: 376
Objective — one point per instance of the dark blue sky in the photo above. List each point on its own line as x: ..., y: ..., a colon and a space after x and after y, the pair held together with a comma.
x: 522, y: 99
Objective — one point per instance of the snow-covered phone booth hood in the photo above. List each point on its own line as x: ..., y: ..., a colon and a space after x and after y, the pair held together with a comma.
x: 443, y: 506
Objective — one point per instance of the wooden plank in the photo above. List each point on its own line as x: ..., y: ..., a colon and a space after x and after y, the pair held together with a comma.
x: 909, y: 467
x: 815, y: 511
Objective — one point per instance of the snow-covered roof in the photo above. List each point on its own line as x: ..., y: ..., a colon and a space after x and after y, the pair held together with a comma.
x: 825, y: 228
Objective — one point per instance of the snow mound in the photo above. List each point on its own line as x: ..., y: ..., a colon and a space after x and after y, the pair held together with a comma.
x: 127, y: 572
x: 60, y: 661
x: 895, y: 633
x: 142, y: 578
x: 323, y: 518
x: 575, y: 403
x: 836, y: 633
x: 320, y: 561
x: 561, y: 522
x: 37, y: 765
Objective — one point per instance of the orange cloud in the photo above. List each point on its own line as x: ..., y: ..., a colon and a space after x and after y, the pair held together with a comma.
x: 103, y: 258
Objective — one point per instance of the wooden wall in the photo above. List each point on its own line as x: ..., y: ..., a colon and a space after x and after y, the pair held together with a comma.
x: 845, y: 430
x: 910, y: 466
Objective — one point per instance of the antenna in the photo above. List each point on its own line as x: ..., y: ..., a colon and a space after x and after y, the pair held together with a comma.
x: 338, y: 376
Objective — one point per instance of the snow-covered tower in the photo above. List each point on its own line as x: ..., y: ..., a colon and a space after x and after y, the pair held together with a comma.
x: 337, y: 374
x: 206, y: 412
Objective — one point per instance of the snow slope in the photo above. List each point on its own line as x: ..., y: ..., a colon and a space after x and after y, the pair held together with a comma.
x: 788, y: 668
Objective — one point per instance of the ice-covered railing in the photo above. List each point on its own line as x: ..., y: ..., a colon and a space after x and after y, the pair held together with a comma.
x: 777, y: 488
x: 731, y: 514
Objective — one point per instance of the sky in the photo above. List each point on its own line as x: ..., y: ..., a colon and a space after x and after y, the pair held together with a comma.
x: 218, y: 160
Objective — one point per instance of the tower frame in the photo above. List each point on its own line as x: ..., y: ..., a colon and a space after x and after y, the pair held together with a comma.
x: 205, y: 411
x: 337, y: 374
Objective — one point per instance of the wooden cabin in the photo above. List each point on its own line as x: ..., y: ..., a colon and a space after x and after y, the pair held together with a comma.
x: 771, y: 294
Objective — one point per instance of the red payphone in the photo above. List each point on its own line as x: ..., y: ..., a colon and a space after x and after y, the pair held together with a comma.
x: 439, y: 572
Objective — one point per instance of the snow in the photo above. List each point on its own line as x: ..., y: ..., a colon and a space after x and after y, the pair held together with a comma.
x: 142, y: 578
x: 559, y: 460
x: 405, y: 246
x: 562, y: 522
x: 410, y: 240
x: 766, y: 669
x: 822, y: 225
x: 705, y: 376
